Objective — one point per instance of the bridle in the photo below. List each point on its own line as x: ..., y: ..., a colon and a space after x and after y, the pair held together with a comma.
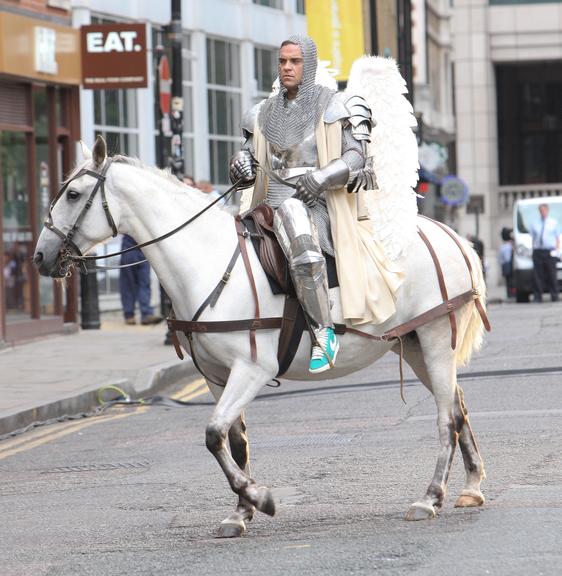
x: 70, y: 253
x: 69, y: 250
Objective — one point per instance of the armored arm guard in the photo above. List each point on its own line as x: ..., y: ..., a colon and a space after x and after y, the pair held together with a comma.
x: 355, y: 115
x: 242, y: 164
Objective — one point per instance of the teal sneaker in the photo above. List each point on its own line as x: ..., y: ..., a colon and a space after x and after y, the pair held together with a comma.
x: 324, y: 354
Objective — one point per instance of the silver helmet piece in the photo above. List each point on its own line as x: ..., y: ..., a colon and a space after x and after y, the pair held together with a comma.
x: 284, y: 123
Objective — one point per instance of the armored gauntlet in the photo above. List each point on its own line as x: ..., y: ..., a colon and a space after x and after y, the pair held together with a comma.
x: 242, y: 167
x: 333, y: 176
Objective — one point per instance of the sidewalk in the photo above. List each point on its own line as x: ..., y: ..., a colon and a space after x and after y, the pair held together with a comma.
x: 60, y: 375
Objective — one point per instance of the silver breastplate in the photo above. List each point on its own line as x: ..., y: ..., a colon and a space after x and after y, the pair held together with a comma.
x: 302, y: 154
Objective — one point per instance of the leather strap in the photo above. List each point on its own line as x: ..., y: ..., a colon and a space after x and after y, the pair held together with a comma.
x: 407, y: 327
x: 200, y: 326
x: 442, y: 286
x: 242, y: 235
x: 477, y: 302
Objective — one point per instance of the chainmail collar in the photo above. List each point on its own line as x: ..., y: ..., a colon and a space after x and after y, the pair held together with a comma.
x: 285, y: 123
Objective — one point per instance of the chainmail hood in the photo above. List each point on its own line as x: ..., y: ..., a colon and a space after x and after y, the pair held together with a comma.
x: 285, y: 123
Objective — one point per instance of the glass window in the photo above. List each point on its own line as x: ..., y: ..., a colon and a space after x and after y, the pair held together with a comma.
x: 265, y: 60
x: 224, y: 98
x: 300, y: 8
x: 530, y: 123
x: 278, y: 4
x: 17, y: 235
x: 116, y: 119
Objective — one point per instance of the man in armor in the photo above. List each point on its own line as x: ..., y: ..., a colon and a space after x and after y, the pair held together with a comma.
x: 281, y: 132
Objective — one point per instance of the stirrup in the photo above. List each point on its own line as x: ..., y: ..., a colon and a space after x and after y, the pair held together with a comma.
x: 325, y: 350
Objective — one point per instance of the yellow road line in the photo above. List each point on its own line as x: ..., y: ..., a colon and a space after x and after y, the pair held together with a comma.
x: 198, y: 392
x: 35, y: 442
x: 188, y: 389
x: 38, y: 438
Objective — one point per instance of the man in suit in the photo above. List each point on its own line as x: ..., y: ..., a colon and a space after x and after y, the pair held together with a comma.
x: 545, y: 232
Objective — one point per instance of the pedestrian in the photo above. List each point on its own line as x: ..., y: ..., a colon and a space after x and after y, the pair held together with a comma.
x: 545, y: 232
x: 478, y: 246
x: 189, y: 181
x: 506, y: 260
x: 134, y: 285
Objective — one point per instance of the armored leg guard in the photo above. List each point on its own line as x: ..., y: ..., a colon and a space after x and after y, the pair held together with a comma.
x: 299, y: 240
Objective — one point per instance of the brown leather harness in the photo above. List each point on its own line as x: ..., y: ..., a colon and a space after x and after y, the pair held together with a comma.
x: 286, y: 322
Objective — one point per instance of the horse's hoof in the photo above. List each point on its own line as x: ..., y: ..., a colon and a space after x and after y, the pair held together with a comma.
x: 470, y: 499
x: 231, y: 529
x: 265, y: 502
x: 420, y: 511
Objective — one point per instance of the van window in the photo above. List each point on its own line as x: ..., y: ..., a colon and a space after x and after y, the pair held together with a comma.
x: 528, y: 213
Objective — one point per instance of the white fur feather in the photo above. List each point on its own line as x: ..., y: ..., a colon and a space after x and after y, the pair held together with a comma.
x: 392, y: 207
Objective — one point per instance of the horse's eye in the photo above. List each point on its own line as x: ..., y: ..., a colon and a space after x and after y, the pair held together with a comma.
x: 72, y: 194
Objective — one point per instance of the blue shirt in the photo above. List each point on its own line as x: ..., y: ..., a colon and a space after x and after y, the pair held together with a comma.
x: 545, y: 238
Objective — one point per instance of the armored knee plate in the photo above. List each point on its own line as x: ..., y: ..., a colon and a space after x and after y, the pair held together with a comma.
x: 298, y: 237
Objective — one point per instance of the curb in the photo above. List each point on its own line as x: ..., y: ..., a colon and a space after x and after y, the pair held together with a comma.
x: 147, y: 382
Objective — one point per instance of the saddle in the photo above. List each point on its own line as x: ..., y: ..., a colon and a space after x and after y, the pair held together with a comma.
x: 259, y: 223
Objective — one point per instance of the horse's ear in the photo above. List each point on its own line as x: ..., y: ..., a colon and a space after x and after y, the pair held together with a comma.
x: 99, y: 151
x: 86, y: 152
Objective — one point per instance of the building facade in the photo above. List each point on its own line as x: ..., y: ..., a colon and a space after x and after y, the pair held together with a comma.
x: 508, y: 85
x: 229, y: 63
x: 39, y: 124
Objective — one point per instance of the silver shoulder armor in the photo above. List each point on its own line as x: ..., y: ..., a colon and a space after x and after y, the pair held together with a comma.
x: 355, y: 110
x: 249, y: 120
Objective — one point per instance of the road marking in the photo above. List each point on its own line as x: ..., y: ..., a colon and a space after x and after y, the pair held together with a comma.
x: 295, y: 546
x: 39, y: 438
x: 34, y: 442
x: 191, y: 391
x: 187, y: 390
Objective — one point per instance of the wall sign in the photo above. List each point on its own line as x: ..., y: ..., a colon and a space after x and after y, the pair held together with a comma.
x: 114, y: 56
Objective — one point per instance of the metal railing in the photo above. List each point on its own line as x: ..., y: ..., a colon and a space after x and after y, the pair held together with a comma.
x: 508, y: 195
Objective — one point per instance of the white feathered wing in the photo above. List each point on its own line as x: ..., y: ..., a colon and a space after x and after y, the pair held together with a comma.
x: 392, y: 206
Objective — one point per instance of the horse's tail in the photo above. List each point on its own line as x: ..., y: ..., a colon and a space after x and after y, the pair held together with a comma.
x: 473, y: 336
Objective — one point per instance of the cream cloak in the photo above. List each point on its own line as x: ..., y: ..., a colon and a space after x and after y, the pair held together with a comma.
x: 368, y: 280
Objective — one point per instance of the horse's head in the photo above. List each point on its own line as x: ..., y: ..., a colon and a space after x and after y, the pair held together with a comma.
x: 79, y: 217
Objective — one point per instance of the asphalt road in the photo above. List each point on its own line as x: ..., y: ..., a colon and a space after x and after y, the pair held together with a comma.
x: 135, y: 492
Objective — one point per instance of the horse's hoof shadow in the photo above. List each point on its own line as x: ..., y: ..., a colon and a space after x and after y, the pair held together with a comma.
x: 231, y: 530
x: 420, y: 511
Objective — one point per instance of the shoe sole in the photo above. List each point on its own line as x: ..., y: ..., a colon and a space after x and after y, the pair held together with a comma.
x: 326, y: 366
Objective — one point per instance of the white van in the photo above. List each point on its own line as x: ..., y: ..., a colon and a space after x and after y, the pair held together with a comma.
x: 524, y: 213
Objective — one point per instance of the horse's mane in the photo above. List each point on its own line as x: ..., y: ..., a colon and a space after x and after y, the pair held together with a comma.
x: 164, y: 173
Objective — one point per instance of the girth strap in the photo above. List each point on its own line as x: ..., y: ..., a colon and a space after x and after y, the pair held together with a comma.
x: 242, y: 235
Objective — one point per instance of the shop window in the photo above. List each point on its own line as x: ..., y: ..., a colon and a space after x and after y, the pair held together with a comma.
x: 17, y: 234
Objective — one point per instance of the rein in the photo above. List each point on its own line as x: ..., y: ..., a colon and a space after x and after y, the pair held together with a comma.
x: 71, y: 252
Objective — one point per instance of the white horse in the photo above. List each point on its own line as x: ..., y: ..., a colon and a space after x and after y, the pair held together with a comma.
x: 147, y: 202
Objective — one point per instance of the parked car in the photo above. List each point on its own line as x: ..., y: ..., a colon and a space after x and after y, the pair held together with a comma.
x: 524, y: 213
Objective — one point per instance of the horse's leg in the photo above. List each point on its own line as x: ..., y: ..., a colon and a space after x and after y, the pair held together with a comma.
x: 473, y: 464
x: 243, y: 384
x: 440, y: 375
x: 235, y: 524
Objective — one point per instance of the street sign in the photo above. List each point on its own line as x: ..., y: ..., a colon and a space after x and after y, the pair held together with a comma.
x: 454, y: 192
x: 475, y: 204
x: 165, y: 85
